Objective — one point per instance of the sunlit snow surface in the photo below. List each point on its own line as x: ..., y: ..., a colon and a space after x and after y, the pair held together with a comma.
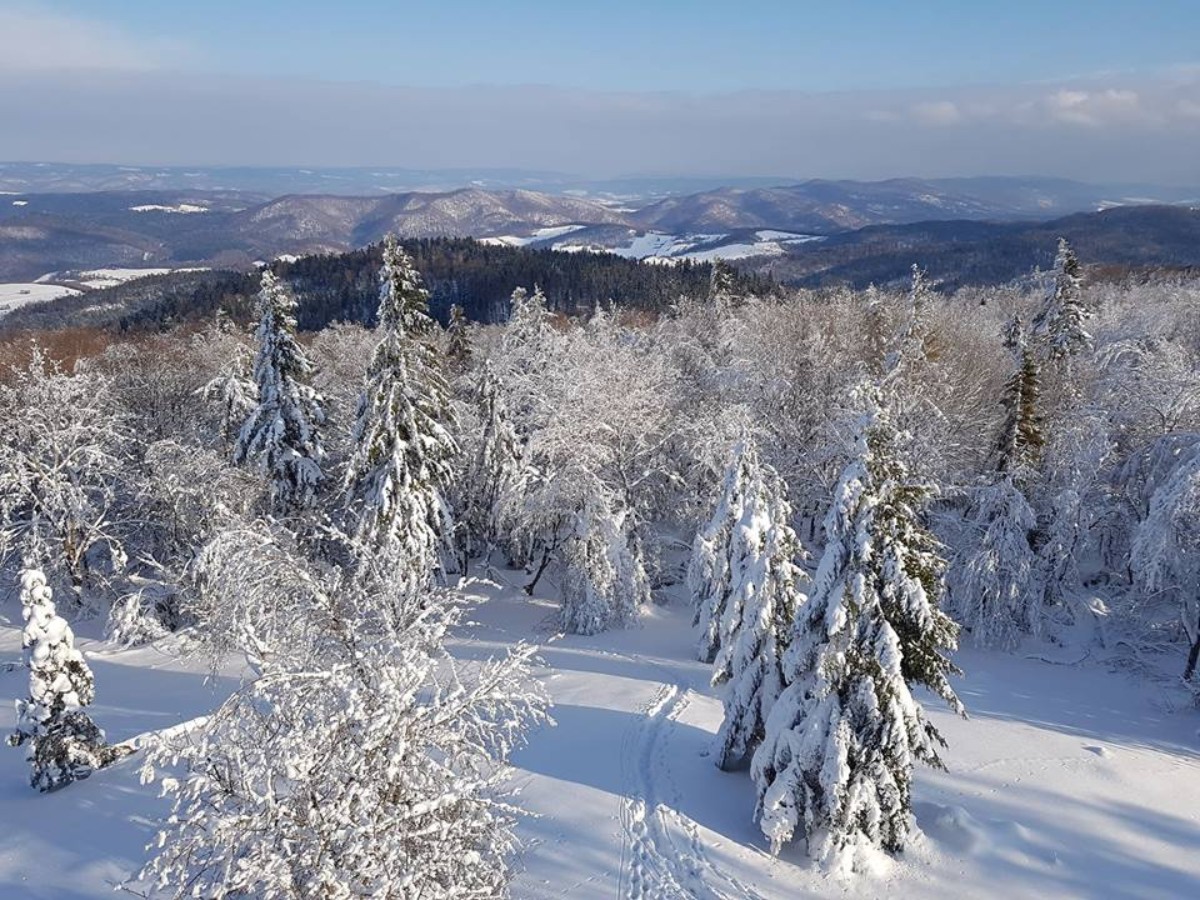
x: 1067, y: 781
x: 13, y: 296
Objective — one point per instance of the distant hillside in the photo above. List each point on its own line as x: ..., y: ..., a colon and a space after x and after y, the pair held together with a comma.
x: 343, y: 287
x: 45, y: 232
x: 958, y: 253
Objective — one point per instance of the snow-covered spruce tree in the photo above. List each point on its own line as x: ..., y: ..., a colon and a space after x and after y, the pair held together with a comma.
x: 604, y: 581
x: 909, y: 347
x: 710, y: 574
x: 766, y: 590
x: 401, y: 461
x: 1019, y: 448
x: 363, y: 762
x: 722, y: 286
x: 64, y: 744
x: 1061, y: 322
x: 280, y: 434
x: 458, y: 339
x: 837, y: 758
x: 495, y: 474
x: 994, y: 592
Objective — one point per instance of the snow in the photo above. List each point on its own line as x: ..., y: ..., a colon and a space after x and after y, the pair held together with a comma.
x: 1067, y: 781
x: 787, y: 237
x: 103, y: 278
x: 13, y: 296
x: 548, y: 232
x: 177, y: 208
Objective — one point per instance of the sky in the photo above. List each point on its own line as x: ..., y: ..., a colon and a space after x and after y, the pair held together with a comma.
x: 1096, y: 89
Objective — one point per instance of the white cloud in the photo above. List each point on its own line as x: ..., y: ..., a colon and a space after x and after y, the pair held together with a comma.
x: 33, y: 39
x: 937, y: 112
x: 1092, y: 108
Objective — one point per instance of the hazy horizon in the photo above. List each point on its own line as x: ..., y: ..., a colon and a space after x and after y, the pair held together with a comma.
x: 1088, y: 91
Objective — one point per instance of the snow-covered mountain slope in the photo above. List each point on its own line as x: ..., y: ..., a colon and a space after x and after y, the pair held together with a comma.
x: 1066, y: 781
x: 660, y: 246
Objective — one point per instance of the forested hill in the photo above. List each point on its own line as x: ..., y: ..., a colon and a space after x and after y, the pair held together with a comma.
x: 481, y: 278
x: 342, y: 287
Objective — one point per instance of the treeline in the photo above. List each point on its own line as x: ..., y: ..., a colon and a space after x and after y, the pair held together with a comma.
x: 343, y: 288
x: 480, y: 278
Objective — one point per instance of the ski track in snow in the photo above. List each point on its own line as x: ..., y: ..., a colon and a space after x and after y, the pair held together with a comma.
x: 663, y: 855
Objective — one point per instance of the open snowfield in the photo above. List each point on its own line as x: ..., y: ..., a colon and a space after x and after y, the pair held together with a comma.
x: 1065, y: 782
x: 13, y: 296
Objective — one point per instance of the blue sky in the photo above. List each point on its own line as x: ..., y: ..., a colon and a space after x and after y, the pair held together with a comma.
x: 703, y: 45
x: 1098, y: 90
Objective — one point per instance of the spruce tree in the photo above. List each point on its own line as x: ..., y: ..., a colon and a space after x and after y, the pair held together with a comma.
x: 1060, y: 324
x: 280, y: 434
x: 992, y: 590
x: 64, y: 744
x: 458, y: 340
x: 722, y: 286
x: 401, y: 461
x: 604, y: 582
x: 709, y: 577
x: 1019, y: 448
x: 765, y: 593
x: 496, y: 471
x: 841, y: 741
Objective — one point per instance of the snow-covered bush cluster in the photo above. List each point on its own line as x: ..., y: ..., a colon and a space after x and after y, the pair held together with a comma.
x: 869, y: 477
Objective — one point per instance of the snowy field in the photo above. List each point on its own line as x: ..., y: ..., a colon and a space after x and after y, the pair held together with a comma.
x: 13, y: 296
x: 1067, y: 781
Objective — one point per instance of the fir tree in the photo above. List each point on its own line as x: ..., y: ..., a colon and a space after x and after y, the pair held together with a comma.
x: 910, y: 346
x: 841, y: 740
x: 765, y: 593
x: 400, y: 464
x: 710, y: 576
x: 605, y: 581
x: 496, y: 471
x: 458, y: 340
x: 992, y: 590
x: 722, y: 287
x: 1019, y: 449
x: 64, y: 743
x: 1060, y: 324
x: 280, y: 434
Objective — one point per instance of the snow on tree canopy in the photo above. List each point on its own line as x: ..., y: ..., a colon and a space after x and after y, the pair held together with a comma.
x: 1060, y: 324
x: 841, y: 741
x: 496, y: 471
x: 64, y: 744
x: 710, y: 574
x: 280, y: 434
x: 604, y: 582
x: 764, y: 595
x: 401, y: 462
x: 993, y: 590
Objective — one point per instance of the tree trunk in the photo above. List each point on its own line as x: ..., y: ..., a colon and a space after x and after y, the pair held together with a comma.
x: 541, y: 568
x: 1193, y: 655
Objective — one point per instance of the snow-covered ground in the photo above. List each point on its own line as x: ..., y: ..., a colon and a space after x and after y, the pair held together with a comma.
x: 657, y: 246
x: 1067, y: 781
x: 104, y: 278
x: 182, y: 208
x: 13, y: 296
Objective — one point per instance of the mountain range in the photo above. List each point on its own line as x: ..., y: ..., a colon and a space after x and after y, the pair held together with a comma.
x: 53, y: 233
